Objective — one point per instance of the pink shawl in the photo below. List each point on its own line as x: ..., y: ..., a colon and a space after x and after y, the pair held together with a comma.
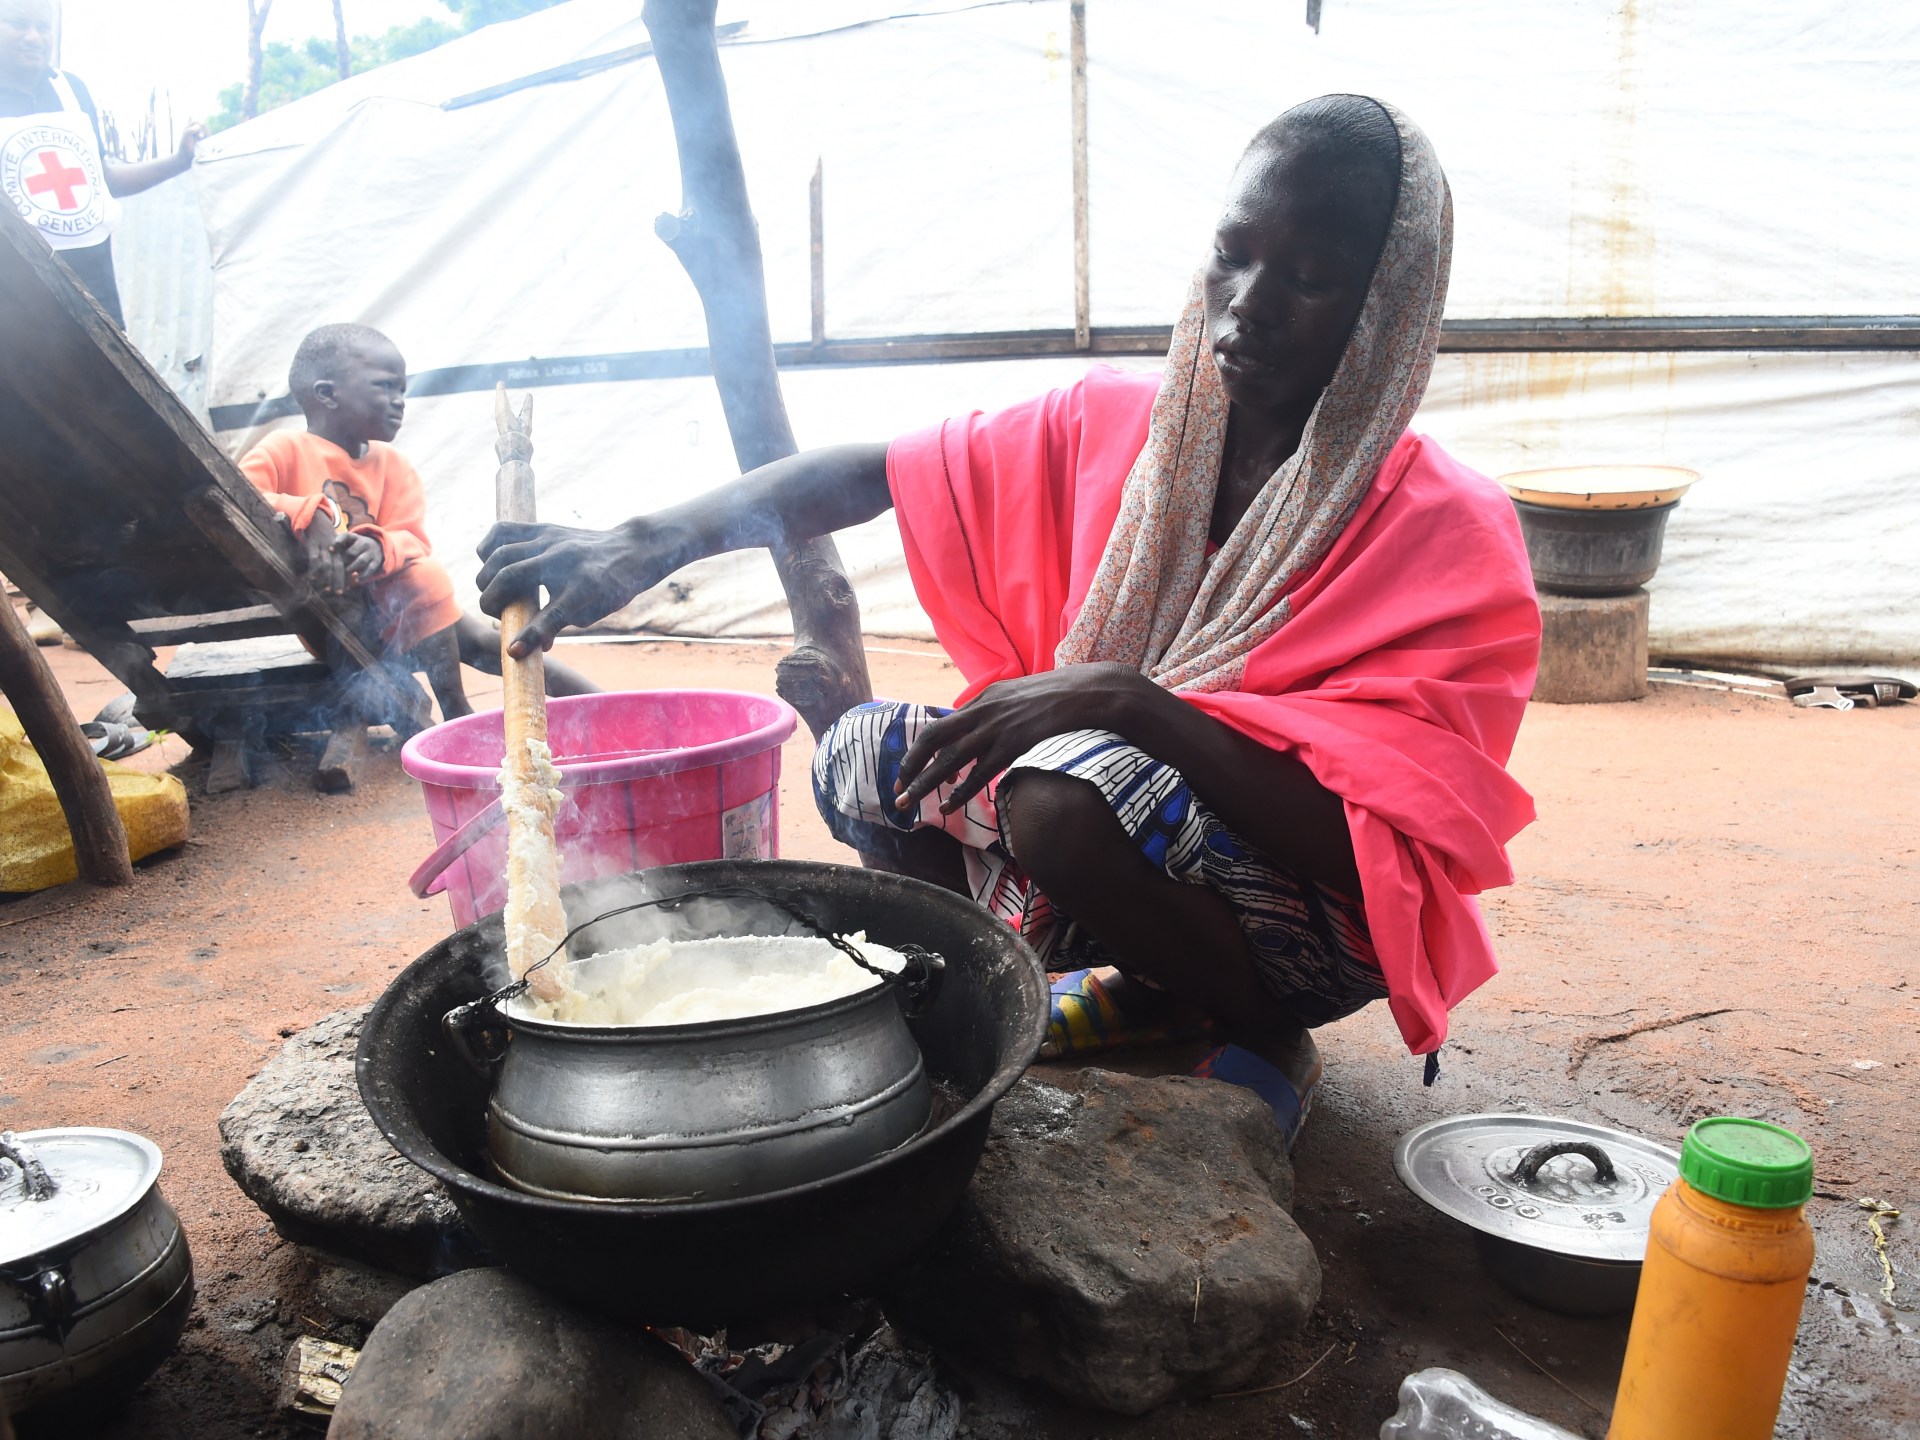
x: 1157, y: 602
x: 1399, y: 677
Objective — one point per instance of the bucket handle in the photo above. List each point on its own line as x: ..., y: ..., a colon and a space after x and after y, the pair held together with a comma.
x: 1531, y: 1162
x: 429, y: 879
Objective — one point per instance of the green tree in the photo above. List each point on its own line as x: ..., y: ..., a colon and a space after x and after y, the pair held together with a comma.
x: 475, y: 13
x: 401, y: 41
x: 288, y: 72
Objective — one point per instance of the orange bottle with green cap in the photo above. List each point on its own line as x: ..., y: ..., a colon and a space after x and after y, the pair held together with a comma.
x: 1728, y: 1256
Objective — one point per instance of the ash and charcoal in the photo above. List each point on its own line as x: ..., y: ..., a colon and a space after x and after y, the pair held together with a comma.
x: 867, y: 1383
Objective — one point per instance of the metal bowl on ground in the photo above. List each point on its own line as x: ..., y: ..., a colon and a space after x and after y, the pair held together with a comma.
x: 95, y: 1277
x: 706, y: 1261
x: 1560, y: 1208
x: 699, y: 1111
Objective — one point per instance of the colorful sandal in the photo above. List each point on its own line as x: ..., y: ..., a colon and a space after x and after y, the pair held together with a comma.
x: 1238, y: 1066
x: 1086, y: 1020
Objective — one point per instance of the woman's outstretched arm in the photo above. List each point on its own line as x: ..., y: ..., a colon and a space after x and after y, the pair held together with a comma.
x: 588, y: 574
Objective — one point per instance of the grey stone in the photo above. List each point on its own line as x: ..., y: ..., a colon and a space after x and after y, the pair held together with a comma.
x: 1125, y: 1242
x: 300, y: 1143
x: 484, y: 1356
x: 360, y: 1293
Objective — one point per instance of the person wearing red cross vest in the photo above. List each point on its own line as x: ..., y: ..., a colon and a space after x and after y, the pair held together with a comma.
x: 53, y: 168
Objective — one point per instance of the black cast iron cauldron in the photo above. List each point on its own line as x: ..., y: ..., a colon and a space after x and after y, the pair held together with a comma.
x: 708, y: 1262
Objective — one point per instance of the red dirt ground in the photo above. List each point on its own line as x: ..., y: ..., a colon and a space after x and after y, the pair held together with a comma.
x: 1717, y: 913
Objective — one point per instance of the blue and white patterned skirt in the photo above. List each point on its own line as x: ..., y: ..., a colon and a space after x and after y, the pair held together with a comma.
x: 1310, y: 944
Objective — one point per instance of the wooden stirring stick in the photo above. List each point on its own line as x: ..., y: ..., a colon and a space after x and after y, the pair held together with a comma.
x: 535, y: 922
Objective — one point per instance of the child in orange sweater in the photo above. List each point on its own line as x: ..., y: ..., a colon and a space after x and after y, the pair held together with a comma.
x: 343, y: 473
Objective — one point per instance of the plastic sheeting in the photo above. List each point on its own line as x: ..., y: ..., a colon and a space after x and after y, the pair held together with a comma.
x: 165, y: 276
x: 1621, y: 159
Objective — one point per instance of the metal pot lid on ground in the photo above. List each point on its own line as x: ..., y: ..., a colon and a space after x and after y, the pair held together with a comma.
x: 58, y: 1185
x: 1557, y: 1185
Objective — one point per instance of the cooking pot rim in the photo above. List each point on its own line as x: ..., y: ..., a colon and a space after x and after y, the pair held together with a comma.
x: 574, y: 1031
x: 464, y: 1181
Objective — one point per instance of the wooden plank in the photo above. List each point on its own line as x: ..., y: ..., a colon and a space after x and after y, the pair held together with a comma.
x: 99, y: 450
x: 245, y: 662
x: 234, y: 530
x: 288, y: 681
x: 99, y: 839
x: 245, y: 624
x: 232, y: 765
x: 105, y: 470
x: 309, y: 697
x: 1654, y: 334
x: 316, y: 1371
x: 1678, y: 333
x: 113, y: 645
x: 227, y: 714
x: 344, y: 758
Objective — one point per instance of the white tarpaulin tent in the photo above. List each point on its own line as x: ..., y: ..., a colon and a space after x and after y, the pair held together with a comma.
x: 1642, y: 159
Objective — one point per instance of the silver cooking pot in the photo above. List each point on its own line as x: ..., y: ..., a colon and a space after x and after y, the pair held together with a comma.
x: 1560, y: 1208
x: 697, y: 1112
x: 95, y: 1277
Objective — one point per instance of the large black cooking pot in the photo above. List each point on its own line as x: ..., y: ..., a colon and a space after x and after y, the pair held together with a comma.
x: 710, y: 1262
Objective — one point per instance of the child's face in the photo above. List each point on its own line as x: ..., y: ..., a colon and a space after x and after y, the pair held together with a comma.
x: 368, y: 397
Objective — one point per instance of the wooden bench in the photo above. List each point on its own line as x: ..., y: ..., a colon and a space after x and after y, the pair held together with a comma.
x: 123, y: 519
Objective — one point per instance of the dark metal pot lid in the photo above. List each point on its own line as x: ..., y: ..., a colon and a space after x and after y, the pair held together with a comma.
x: 1558, y: 1185
x: 59, y: 1185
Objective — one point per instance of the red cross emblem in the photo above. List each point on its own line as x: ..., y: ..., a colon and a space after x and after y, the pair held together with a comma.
x: 57, y: 178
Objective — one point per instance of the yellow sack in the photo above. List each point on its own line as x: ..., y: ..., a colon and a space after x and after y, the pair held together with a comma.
x: 36, y: 850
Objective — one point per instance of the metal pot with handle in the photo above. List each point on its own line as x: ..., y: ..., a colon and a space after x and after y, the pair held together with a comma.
x: 703, y: 1111
x: 95, y: 1277
x: 1559, y: 1208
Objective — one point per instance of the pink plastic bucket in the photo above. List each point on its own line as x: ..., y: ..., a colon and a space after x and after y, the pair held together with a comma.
x: 651, y: 777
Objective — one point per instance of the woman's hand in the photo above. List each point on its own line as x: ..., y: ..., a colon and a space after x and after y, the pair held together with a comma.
x: 588, y: 574
x: 190, y: 139
x: 993, y: 729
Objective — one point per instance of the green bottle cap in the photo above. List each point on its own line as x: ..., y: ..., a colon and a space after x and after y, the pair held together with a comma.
x: 1748, y: 1162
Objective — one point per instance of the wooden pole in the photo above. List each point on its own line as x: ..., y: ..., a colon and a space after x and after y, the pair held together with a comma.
x: 1082, y: 289
x: 718, y: 243
x: 817, y: 252
x: 535, y: 921
x: 99, y: 839
x: 343, y: 55
x: 257, y: 11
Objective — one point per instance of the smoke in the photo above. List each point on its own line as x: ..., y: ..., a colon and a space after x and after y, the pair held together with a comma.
x: 695, y: 918
x: 650, y: 951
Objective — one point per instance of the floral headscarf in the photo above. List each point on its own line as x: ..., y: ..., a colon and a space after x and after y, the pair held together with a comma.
x: 1156, y: 602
